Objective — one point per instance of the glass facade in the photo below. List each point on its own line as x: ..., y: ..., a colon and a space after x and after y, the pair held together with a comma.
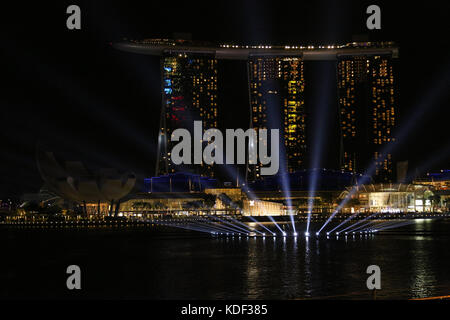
x: 276, y: 89
x: 367, y: 113
x: 189, y: 93
x: 366, y: 101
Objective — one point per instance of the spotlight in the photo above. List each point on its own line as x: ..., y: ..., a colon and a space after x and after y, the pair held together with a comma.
x: 317, y: 233
x: 295, y: 234
x: 284, y: 234
x: 328, y: 233
x: 274, y: 234
x: 337, y: 233
x: 306, y: 234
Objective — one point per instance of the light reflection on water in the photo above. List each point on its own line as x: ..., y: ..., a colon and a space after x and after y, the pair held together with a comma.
x: 423, y: 278
x: 414, y: 261
x: 335, y: 268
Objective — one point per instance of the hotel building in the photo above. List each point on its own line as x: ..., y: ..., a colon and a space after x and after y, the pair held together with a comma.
x: 366, y: 97
x: 367, y: 113
x: 276, y: 88
x: 189, y: 93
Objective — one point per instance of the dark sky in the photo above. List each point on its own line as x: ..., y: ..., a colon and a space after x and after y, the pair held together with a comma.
x: 74, y: 93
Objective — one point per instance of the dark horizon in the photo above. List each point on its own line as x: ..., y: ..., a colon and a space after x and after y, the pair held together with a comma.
x: 71, y: 91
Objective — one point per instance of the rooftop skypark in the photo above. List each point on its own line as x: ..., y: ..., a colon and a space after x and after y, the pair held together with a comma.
x: 243, y: 52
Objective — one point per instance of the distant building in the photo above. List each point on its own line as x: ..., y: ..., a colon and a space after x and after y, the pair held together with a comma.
x: 235, y: 194
x: 95, y: 191
x: 6, y: 205
x: 439, y: 180
x: 366, y: 93
x: 391, y: 198
x: 189, y: 93
x: 162, y: 203
x: 300, y: 180
x: 329, y: 186
x: 402, y: 171
x: 367, y: 112
x: 277, y: 85
x: 178, y: 182
x: 262, y: 208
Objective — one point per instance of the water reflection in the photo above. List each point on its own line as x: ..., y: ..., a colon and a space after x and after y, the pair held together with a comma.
x: 423, y: 280
x: 308, y: 273
x: 414, y: 261
x: 253, y: 265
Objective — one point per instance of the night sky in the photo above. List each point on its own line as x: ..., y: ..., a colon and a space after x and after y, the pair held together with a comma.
x: 72, y: 92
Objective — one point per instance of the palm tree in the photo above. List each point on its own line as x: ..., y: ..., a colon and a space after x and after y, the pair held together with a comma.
x: 435, y: 200
x: 209, y: 201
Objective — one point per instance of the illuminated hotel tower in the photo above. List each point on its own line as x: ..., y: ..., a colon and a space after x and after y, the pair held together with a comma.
x: 367, y: 113
x: 189, y: 93
x: 365, y: 86
x: 276, y: 88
